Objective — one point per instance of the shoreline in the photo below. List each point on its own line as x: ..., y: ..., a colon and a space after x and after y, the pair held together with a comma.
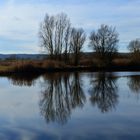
x: 39, y: 71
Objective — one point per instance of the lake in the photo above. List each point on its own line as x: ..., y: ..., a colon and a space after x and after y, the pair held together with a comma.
x: 69, y: 106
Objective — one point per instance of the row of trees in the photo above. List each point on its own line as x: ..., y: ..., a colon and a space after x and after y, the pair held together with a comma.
x: 59, y: 38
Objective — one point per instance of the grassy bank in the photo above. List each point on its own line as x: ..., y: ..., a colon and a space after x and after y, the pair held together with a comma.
x: 27, y: 66
x: 42, y: 66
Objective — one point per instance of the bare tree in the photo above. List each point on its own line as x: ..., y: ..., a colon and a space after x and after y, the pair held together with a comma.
x: 67, y: 43
x: 54, y: 33
x: 77, y: 40
x: 134, y: 47
x: 46, y: 34
x: 104, y: 43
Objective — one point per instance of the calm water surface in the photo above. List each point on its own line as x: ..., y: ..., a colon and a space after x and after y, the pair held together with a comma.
x: 66, y: 106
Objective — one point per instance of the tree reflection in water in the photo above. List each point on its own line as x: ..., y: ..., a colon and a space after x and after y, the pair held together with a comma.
x: 104, y: 92
x: 77, y: 95
x: 23, y: 79
x: 63, y: 92
x: 134, y: 84
x: 60, y: 95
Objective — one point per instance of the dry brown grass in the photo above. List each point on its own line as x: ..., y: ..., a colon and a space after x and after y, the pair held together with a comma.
x: 121, y: 62
x: 52, y: 64
x: 29, y: 65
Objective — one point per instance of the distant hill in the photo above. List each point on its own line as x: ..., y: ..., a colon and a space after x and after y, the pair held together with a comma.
x: 22, y: 56
x: 40, y: 56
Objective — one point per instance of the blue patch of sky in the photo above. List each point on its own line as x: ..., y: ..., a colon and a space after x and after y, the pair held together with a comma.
x: 2, y: 2
x: 14, y: 46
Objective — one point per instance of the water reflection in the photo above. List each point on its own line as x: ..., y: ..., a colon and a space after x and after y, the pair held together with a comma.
x: 23, y: 80
x: 77, y: 95
x: 63, y: 92
x: 60, y: 95
x: 134, y: 84
x: 104, y: 92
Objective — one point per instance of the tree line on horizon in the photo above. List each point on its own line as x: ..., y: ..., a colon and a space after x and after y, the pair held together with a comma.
x: 59, y: 38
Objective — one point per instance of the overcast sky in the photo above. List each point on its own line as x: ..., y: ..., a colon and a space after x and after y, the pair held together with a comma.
x: 20, y: 19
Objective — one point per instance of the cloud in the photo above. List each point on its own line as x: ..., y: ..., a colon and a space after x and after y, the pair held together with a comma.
x: 20, y: 19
